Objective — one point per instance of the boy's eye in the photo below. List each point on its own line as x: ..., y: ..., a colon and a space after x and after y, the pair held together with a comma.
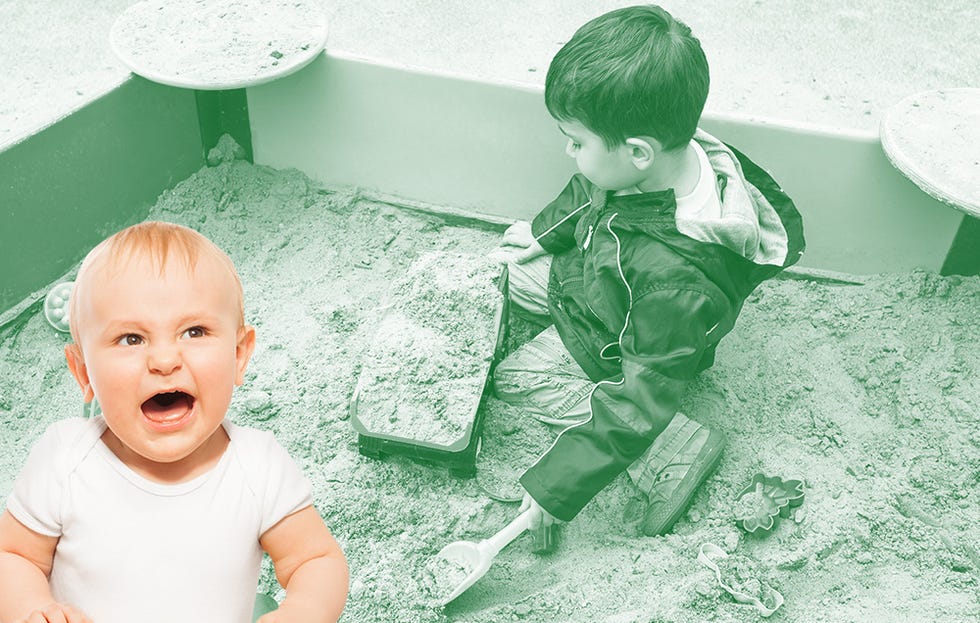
x: 194, y: 332
x: 130, y: 339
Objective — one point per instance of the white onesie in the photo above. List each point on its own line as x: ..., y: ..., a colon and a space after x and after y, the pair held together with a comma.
x: 135, y: 550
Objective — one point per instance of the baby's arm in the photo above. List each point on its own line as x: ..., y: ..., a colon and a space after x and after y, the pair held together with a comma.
x: 25, y: 563
x: 310, y: 566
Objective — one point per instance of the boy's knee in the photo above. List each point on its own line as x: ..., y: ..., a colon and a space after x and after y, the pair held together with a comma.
x: 527, y: 285
x: 506, y: 380
x: 519, y: 376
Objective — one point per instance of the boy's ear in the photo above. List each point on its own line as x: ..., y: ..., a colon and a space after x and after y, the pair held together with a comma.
x: 76, y: 364
x: 643, y: 151
x: 243, y: 351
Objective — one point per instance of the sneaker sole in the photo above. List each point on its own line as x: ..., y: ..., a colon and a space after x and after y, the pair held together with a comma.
x: 706, y: 461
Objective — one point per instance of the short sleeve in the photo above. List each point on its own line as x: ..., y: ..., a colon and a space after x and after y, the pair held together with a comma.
x: 278, y: 482
x: 38, y: 494
x: 287, y: 489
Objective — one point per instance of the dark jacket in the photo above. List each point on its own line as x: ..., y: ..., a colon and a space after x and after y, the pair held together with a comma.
x: 641, y: 306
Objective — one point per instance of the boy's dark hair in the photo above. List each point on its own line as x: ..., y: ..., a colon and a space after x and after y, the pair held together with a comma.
x: 631, y: 72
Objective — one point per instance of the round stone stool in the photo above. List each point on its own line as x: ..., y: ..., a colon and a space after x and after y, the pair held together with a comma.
x: 933, y: 138
x: 218, y: 44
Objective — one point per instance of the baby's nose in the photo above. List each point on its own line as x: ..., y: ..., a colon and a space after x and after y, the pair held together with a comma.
x: 163, y: 359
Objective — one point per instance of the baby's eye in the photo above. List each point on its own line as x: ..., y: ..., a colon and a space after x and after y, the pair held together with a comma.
x: 130, y: 339
x: 194, y: 332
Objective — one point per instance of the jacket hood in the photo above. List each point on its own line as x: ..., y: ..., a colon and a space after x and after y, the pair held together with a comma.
x: 748, y: 224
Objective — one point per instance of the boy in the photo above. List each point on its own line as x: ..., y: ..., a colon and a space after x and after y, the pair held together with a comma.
x: 643, y: 263
x: 159, y: 510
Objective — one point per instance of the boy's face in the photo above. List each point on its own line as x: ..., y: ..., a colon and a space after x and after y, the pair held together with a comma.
x: 611, y: 169
x: 162, y: 351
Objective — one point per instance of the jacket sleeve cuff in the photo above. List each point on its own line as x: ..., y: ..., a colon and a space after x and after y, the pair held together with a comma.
x: 539, y: 491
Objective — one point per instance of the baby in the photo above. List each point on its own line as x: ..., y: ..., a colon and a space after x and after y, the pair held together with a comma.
x: 159, y: 510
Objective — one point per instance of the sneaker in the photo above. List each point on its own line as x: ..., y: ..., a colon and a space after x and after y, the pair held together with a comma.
x: 675, y: 483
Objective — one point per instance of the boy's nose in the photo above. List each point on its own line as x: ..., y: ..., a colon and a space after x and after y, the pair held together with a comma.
x: 164, y: 359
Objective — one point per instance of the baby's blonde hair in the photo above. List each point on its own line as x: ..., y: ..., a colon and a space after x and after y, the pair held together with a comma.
x: 156, y: 241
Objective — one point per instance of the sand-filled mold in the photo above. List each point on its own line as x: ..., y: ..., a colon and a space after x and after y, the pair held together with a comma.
x: 426, y: 368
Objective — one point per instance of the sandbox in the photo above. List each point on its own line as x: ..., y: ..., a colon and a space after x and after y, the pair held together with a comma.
x: 858, y: 373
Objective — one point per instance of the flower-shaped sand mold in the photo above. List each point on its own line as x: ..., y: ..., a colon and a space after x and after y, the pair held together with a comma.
x: 56, y: 306
x: 764, y: 499
x: 746, y: 590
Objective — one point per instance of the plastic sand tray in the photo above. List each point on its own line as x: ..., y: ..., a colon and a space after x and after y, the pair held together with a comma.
x: 425, y: 373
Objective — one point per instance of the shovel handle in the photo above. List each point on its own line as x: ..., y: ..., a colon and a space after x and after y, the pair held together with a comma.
x: 511, y: 531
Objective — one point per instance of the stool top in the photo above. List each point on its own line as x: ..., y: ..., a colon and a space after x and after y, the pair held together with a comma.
x: 933, y: 138
x: 218, y: 44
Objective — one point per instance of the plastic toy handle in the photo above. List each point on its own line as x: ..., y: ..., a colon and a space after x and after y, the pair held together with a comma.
x: 491, y: 545
x: 709, y: 553
x: 543, y: 539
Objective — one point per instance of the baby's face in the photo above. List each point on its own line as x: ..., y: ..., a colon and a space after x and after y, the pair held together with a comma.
x: 163, y: 352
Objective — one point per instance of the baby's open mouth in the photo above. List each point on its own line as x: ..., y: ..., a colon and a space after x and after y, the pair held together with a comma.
x: 168, y: 406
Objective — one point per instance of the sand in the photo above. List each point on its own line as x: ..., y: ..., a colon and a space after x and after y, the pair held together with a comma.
x: 868, y: 392
x: 831, y: 63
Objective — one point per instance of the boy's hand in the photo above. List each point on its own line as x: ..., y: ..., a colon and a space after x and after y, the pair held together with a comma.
x: 518, y: 245
x: 55, y: 613
x: 540, y: 518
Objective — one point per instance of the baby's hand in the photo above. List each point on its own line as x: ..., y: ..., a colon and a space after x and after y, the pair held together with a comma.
x: 56, y: 613
x: 518, y: 245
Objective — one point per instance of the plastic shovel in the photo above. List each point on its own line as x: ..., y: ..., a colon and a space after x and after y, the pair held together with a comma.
x: 477, y: 557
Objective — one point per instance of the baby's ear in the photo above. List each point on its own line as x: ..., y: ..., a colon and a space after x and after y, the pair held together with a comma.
x: 76, y: 364
x: 243, y: 351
